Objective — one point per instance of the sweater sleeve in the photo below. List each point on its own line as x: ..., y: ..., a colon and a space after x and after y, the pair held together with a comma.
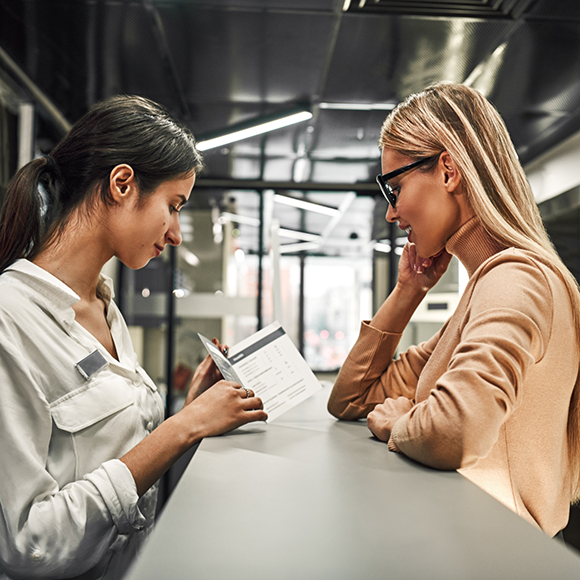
x: 47, y: 531
x: 369, y: 375
x: 504, y: 332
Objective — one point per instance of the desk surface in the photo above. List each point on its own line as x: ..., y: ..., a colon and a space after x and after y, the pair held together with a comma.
x: 311, y: 497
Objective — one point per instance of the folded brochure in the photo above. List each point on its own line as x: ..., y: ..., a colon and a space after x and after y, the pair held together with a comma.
x: 268, y: 363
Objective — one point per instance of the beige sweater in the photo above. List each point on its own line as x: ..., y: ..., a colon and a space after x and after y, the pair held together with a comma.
x: 492, y: 387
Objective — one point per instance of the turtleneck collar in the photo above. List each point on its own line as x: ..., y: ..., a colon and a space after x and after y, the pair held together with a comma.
x: 472, y: 245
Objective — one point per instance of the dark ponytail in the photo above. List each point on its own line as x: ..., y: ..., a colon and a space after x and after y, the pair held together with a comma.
x: 42, y: 196
x: 21, y: 225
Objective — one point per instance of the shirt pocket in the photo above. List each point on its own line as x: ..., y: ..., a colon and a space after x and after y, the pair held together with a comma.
x: 99, y: 422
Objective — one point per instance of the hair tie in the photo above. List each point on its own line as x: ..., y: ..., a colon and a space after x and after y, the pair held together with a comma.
x: 51, y: 166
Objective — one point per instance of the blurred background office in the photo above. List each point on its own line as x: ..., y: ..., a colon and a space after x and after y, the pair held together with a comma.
x: 286, y: 222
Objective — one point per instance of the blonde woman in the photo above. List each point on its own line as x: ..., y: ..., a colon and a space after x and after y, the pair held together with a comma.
x: 494, y: 394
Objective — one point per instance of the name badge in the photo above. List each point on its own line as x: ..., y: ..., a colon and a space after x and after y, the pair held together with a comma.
x: 91, y: 364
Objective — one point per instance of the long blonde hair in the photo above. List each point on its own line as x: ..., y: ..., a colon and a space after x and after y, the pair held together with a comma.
x: 457, y: 119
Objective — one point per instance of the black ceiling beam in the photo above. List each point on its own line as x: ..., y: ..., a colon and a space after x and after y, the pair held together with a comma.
x: 259, y: 185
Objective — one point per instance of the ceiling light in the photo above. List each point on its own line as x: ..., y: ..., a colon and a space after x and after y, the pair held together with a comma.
x: 306, y: 205
x: 358, y: 106
x: 296, y: 235
x: 252, y: 128
x: 240, y: 219
x: 239, y: 255
x: 291, y: 248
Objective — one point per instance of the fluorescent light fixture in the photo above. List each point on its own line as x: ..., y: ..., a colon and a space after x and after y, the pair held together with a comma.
x: 239, y: 219
x: 306, y: 246
x: 358, y: 106
x: 254, y: 127
x: 296, y: 235
x: 306, y: 205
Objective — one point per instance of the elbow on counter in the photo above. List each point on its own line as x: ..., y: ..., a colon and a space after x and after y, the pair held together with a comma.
x: 344, y: 410
x: 442, y: 453
x: 335, y: 409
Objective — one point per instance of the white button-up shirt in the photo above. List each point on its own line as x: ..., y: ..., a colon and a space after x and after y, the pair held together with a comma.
x: 68, y: 507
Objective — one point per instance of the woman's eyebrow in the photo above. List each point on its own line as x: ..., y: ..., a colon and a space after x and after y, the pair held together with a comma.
x: 183, y: 199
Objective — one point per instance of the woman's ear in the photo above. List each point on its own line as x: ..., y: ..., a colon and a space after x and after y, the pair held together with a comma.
x: 122, y: 184
x: 450, y: 172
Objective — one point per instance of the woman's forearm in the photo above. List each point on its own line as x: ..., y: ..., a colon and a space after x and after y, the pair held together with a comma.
x: 153, y: 456
x: 396, y: 311
x: 359, y: 385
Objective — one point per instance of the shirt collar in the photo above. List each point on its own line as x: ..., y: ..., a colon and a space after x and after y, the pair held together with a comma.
x: 60, y: 297
x: 472, y: 245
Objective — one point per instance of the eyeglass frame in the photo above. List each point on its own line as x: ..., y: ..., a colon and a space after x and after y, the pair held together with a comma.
x: 383, y: 178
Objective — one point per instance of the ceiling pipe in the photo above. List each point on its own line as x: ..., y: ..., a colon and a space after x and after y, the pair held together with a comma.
x: 45, y: 105
x: 168, y: 64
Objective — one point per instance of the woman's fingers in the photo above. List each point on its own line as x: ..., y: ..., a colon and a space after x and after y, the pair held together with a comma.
x: 244, y: 392
x: 223, y: 347
x: 253, y: 402
x: 225, y: 407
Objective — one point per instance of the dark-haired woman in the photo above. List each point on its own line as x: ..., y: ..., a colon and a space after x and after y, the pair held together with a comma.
x: 81, y: 423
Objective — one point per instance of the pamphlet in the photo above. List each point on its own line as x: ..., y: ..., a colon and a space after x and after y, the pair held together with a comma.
x: 268, y: 363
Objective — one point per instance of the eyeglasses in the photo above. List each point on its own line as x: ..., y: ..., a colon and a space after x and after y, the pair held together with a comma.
x: 383, y: 179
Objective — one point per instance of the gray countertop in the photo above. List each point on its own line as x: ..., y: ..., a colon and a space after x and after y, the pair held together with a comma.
x: 310, y: 497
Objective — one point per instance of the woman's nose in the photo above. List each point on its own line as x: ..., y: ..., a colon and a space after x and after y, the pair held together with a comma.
x: 173, y: 235
x: 392, y: 215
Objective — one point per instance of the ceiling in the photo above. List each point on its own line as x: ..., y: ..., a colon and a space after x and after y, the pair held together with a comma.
x: 214, y: 63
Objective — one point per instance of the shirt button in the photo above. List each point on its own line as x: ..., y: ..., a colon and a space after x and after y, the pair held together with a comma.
x: 150, y: 426
x: 36, y: 556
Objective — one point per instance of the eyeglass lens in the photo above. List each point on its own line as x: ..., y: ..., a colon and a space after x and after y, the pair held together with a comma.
x: 387, y: 190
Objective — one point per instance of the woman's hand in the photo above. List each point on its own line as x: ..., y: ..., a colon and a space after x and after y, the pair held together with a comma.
x: 222, y: 408
x: 206, y: 375
x: 215, y: 411
x: 421, y: 273
x: 381, y: 420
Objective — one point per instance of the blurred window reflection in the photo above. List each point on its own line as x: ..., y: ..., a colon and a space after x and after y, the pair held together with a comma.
x: 337, y: 296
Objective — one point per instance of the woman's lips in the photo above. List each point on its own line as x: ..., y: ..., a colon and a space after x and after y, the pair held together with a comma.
x: 158, y: 250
